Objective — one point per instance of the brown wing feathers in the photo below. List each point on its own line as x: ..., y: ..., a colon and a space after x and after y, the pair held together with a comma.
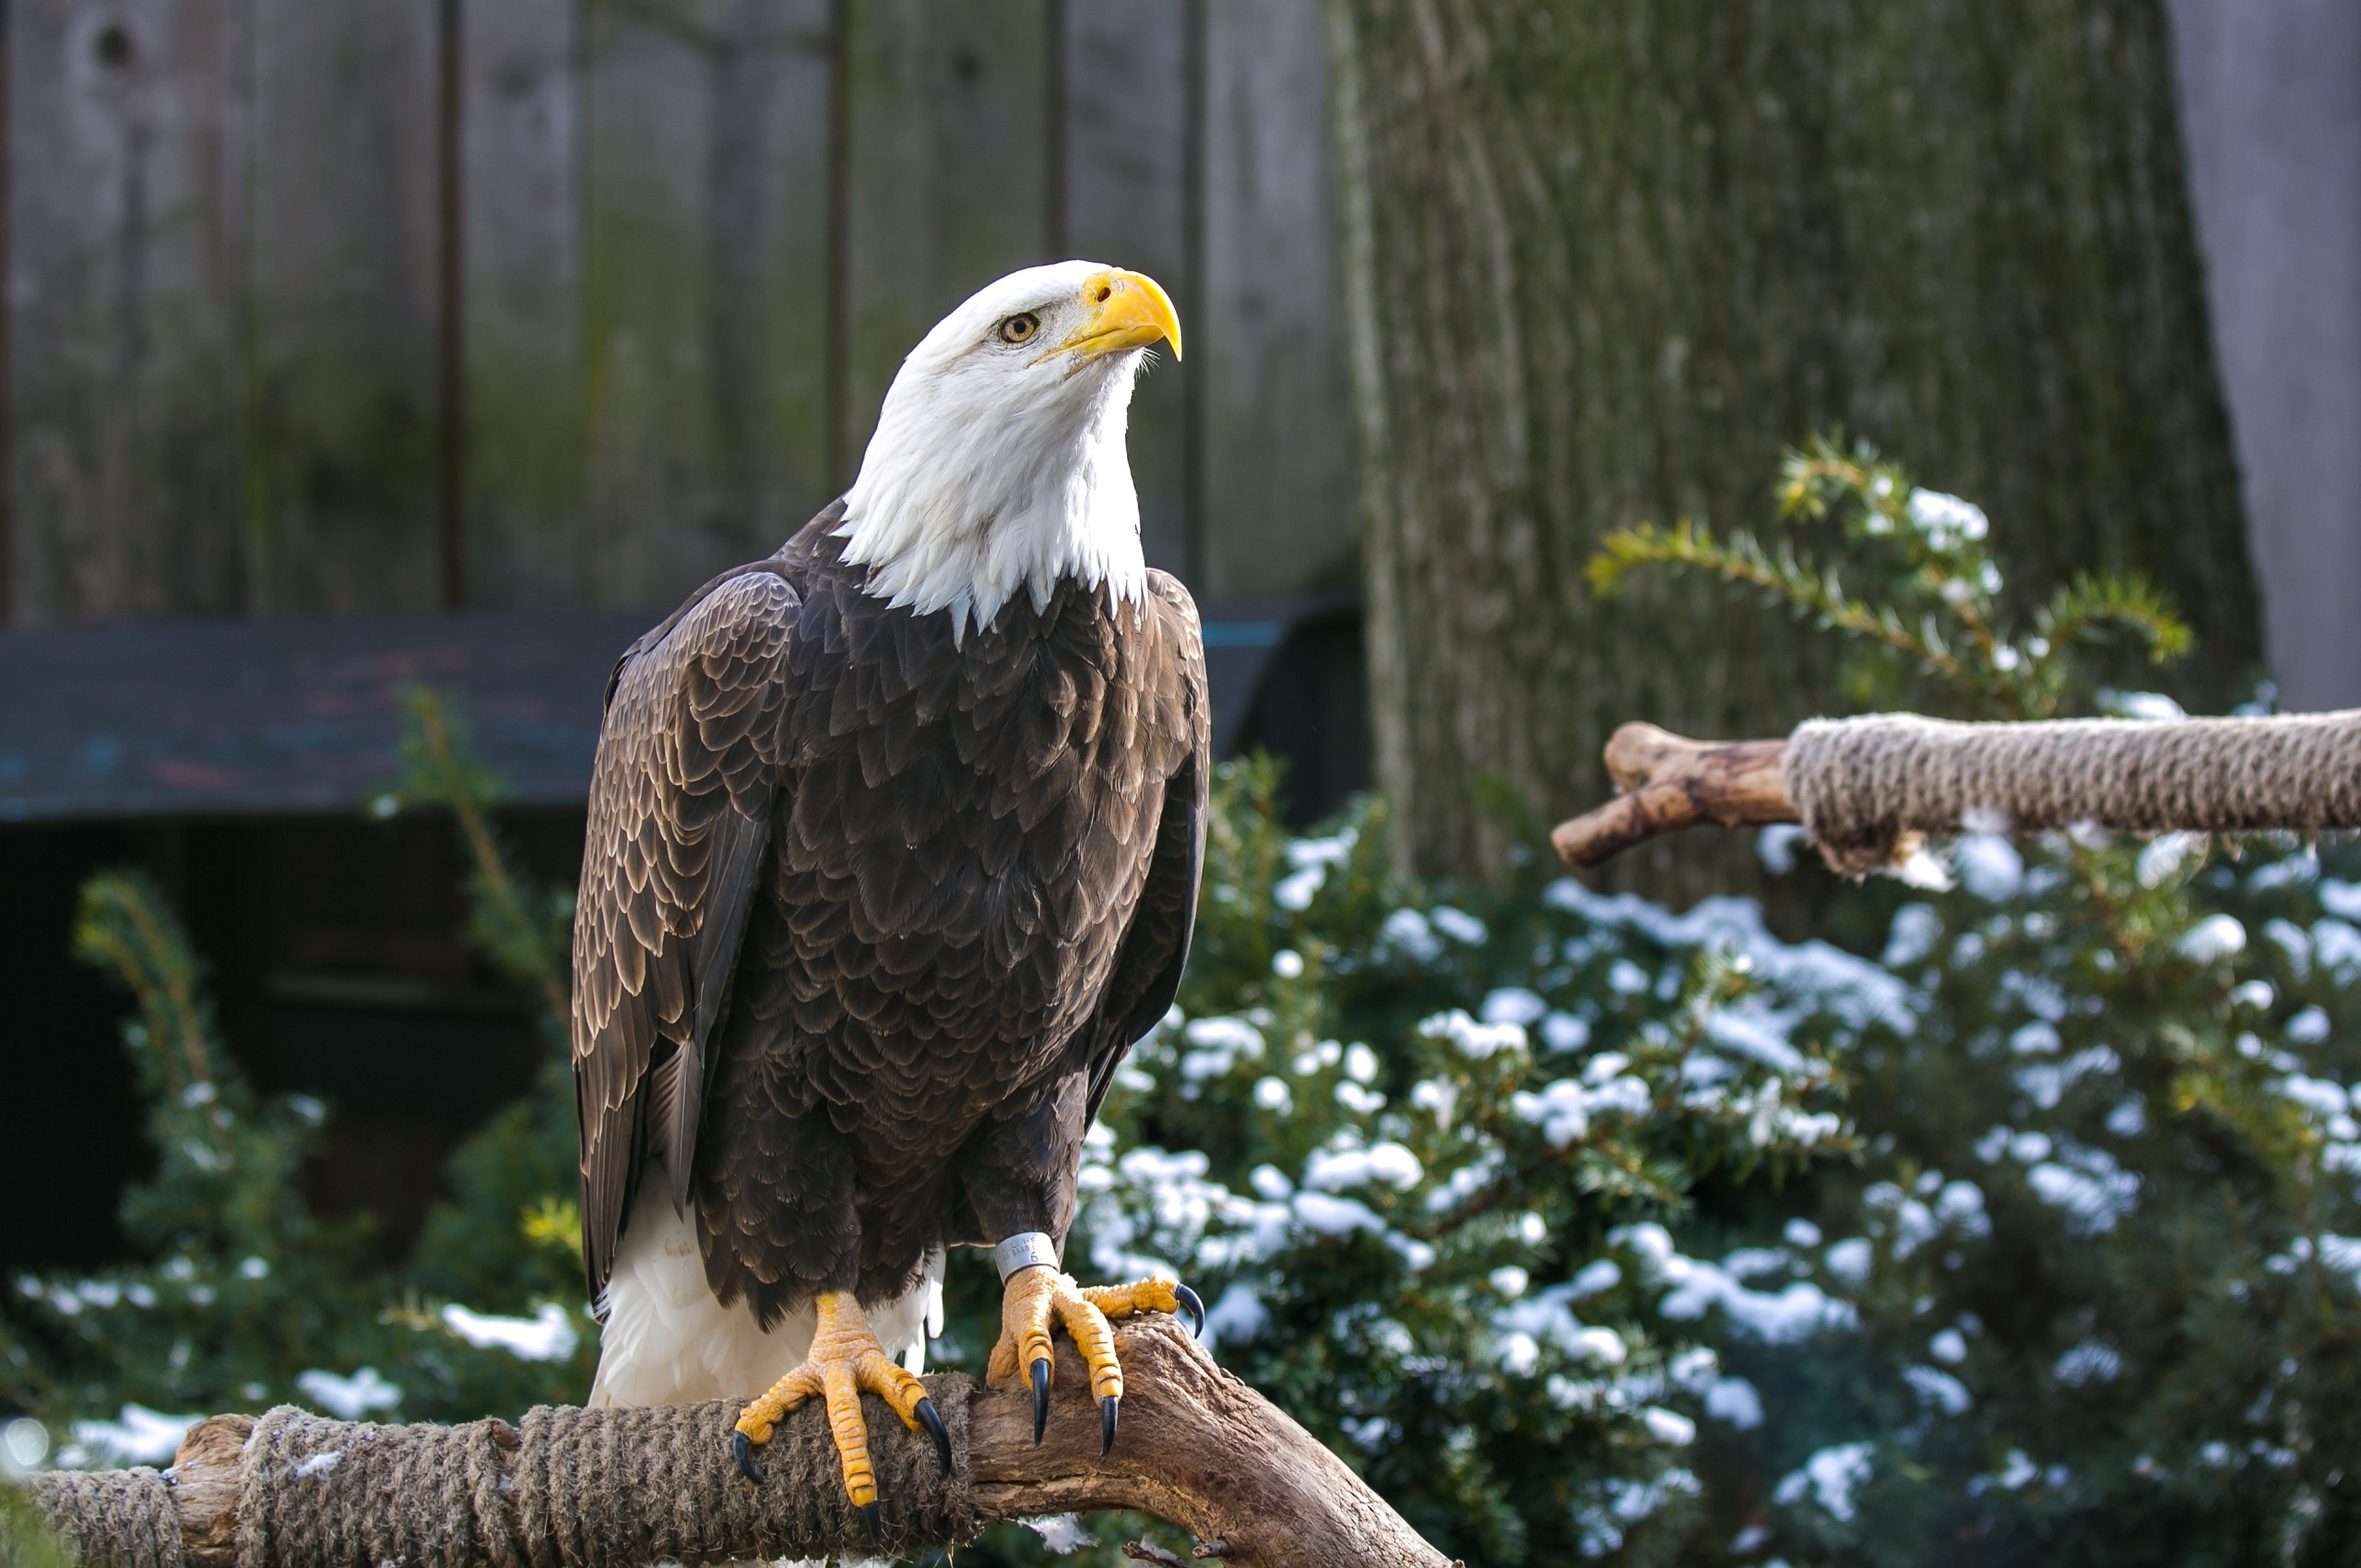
x: 680, y: 808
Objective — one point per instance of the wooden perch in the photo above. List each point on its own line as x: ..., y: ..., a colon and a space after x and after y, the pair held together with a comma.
x: 1868, y: 787
x: 1667, y: 783
x: 1197, y: 1448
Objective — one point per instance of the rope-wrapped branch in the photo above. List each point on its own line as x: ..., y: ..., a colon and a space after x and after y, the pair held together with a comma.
x: 1863, y: 786
x: 622, y: 1488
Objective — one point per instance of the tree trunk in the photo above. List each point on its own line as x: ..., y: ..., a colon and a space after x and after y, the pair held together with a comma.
x: 1604, y: 258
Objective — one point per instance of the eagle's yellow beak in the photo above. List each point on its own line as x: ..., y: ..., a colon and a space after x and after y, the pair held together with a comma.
x: 1124, y: 310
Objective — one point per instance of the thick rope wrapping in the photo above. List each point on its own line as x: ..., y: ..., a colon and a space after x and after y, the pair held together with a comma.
x: 617, y: 1489
x: 120, y: 1518
x: 1861, y: 785
x: 572, y: 1488
x: 312, y: 1490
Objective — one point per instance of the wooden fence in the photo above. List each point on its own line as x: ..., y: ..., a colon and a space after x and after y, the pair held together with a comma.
x: 376, y: 305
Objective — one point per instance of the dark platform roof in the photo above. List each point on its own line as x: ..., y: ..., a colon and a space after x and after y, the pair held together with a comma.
x: 235, y: 717
x: 179, y: 719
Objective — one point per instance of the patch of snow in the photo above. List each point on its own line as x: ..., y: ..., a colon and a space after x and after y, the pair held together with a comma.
x: 1939, y: 1389
x: 2212, y: 939
x: 2341, y: 899
x: 1988, y: 866
x: 1776, y: 846
x: 547, y: 1336
x: 1831, y: 1475
x: 137, y: 1436
x: 1474, y: 1040
x: 2092, y: 1360
x: 1795, y: 1312
x: 2163, y: 856
x: 1061, y: 1533
x: 1668, y: 1426
x: 1407, y: 931
x: 1756, y: 1032
x: 1237, y: 1317
x: 1388, y: 1163
x: 2094, y: 1202
x: 1457, y: 924
x: 1564, y: 1031
x: 1512, y: 1004
x: 1814, y: 973
x: 1737, y: 1401
x: 350, y: 1398
x: 1848, y: 1260
x: 2336, y: 947
x: 2152, y: 707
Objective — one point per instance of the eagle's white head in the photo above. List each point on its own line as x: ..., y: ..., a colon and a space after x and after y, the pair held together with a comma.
x: 999, y: 461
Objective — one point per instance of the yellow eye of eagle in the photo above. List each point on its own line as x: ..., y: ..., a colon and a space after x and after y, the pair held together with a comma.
x: 1018, y: 328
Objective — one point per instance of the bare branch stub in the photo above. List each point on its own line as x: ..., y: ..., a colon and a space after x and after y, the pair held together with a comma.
x: 1670, y: 783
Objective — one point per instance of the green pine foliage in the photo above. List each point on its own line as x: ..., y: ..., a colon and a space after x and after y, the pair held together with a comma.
x: 1934, y: 607
x: 2020, y: 1229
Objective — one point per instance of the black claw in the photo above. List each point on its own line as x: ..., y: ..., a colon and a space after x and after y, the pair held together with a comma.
x: 1192, y: 1306
x: 742, y: 1448
x: 1040, y: 1400
x: 1106, y: 1423
x: 868, y: 1516
x: 932, y: 1421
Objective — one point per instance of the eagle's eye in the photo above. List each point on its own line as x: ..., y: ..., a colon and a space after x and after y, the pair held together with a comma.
x: 1018, y: 328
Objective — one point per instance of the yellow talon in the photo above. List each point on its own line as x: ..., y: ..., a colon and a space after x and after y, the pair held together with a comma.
x: 846, y: 1361
x: 1039, y: 1299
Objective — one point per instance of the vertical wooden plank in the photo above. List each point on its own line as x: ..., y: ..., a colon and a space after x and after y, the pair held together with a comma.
x: 1126, y: 89
x: 948, y: 184
x: 8, y: 321
x: 344, y: 460
x: 450, y: 300
x: 1277, y: 518
x: 523, y: 224
x: 706, y: 288
x: 124, y: 479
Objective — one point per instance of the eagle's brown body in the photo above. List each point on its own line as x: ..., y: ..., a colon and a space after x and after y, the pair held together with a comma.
x: 867, y: 915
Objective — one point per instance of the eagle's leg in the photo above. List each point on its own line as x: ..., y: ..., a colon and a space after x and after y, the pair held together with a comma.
x: 1037, y: 1298
x: 845, y: 1360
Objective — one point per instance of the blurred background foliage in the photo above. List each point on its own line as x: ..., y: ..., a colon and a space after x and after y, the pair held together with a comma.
x: 2012, y: 1222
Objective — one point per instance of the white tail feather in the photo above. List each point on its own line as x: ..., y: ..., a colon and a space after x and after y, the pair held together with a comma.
x: 667, y: 1341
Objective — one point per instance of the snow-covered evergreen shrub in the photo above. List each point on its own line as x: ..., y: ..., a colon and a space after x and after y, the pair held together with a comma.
x: 2022, y: 1231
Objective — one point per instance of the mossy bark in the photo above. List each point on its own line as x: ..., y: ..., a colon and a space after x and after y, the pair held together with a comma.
x: 1604, y: 258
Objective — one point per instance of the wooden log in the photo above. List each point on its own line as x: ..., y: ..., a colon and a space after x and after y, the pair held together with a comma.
x: 1666, y: 783
x: 1198, y: 1448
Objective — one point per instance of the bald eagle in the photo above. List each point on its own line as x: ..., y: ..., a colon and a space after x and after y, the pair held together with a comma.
x: 894, y: 847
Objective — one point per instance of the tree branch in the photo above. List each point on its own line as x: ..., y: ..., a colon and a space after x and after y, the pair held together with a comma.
x: 1197, y: 1448
x: 1667, y: 783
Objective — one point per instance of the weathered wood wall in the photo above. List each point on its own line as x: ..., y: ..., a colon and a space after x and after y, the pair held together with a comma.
x: 694, y: 237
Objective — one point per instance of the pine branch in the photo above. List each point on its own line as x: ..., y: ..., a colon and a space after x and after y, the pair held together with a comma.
x: 523, y: 936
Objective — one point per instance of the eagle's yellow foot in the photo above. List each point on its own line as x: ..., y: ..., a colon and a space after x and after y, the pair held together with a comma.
x: 1037, y: 1299
x: 845, y: 1360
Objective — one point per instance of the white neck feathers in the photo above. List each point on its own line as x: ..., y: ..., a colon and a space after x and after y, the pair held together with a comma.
x: 973, y: 488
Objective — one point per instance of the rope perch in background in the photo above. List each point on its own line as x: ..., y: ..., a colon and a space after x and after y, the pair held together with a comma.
x: 621, y: 1488
x: 1865, y: 787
